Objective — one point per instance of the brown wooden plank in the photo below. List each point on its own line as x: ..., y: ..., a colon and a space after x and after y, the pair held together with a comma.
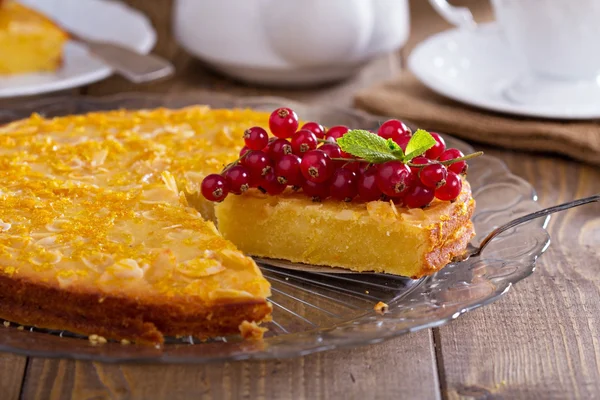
x: 542, y: 339
x: 400, y: 366
x: 12, y: 372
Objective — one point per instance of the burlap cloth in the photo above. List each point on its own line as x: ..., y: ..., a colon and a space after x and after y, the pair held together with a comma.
x: 406, y: 98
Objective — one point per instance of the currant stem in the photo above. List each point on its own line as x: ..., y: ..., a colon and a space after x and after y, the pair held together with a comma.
x: 347, y: 159
x: 233, y: 164
x: 449, y: 162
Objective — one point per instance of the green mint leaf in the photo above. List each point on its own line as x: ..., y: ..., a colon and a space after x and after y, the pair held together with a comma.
x: 396, y: 150
x: 366, y: 145
x: 419, y: 143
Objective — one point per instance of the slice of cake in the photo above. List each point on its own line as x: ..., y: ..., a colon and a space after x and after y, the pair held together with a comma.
x: 391, y: 201
x: 29, y: 42
x: 374, y: 236
x: 97, y: 235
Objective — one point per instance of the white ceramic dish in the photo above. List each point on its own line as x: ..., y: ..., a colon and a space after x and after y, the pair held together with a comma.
x: 477, y: 68
x: 97, y: 19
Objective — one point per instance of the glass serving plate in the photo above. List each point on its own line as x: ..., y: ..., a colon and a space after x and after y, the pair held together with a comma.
x: 320, y: 311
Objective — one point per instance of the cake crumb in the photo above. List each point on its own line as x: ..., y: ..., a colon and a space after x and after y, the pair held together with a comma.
x: 381, y: 308
x: 102, y: 339
x: 251, y: 330
x: 93, y: 338
x: 20, y: 327
x: 125, y: 342
x: 6, y: 324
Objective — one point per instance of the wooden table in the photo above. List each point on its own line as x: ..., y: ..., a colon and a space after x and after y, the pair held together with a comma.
x: 541, y: 341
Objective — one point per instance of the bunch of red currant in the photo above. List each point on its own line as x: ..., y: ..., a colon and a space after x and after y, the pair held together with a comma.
x: 310, y: 159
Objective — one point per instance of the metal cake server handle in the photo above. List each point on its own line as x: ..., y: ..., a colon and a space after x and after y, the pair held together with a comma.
x: 135, y: 67
x: 474, y: 251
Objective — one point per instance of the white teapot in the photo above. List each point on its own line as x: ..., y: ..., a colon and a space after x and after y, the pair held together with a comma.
x: 290, y: 42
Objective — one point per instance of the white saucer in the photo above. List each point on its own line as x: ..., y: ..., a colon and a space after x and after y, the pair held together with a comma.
x: 477, y: 68
x: 97, y: 19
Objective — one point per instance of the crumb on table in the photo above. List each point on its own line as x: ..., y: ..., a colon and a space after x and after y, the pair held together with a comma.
x: 381, y: 308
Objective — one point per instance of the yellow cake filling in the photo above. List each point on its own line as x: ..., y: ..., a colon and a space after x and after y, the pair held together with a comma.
x: 376, y: 236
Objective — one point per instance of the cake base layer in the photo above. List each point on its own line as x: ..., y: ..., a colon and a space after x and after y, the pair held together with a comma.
x: 375, y: 236
x: 41, y: 305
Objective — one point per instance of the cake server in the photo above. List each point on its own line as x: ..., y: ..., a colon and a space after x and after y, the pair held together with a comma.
x: 133, y: 66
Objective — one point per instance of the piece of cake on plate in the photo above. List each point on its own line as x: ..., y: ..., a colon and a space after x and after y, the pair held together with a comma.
x: 29, y: 41
x: 389, y: 202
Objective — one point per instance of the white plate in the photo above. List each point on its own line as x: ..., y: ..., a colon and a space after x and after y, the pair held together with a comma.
x: 96, y: 19
x: 477, y: 68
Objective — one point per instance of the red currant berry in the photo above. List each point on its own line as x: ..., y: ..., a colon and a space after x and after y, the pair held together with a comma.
x: 244, y: 150
x: 278, y: 148
x: 418, y: 196
x: 438, y: 148
x: 367, y: 185
x: 317, y: 190
x: 287, y: 170
x: 336, y: 132
x: 343, y: 185
x: 393, y: 178
x: 451, y: 189
x: 257, y: 162
x: 283, y: 122
x: 256, y: 138
x: 459, y: 167
x: 271, y: 185
x: 354, y: 166
x: 418, y: 160
x: 316, y: 166
x: 393, y: 129
x: 214, y: 187
x: 303, y: 141
x: 331, y: 149
x: 238, y: 178
x: 315, y: 128
x: 402, y: 141
x: 433, y: 175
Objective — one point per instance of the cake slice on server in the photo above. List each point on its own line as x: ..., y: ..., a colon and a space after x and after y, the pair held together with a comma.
x: 392, y: 202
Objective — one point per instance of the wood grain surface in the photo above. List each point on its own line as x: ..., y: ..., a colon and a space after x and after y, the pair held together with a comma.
x: 541, y: 341
x: 397, y: 366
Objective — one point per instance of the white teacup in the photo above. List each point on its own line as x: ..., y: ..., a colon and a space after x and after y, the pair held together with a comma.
x: 557, y: 39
